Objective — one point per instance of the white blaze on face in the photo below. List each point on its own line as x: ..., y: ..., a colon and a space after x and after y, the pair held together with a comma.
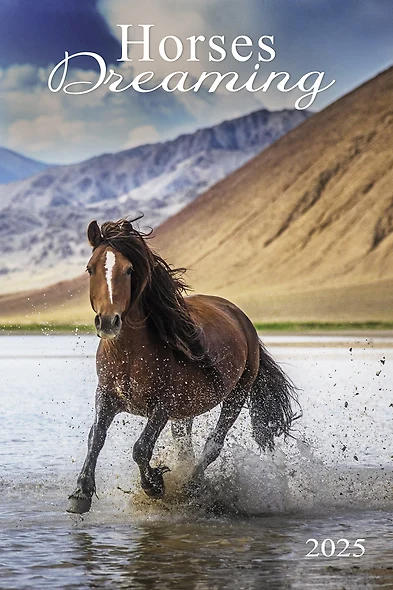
x: 109, y: 264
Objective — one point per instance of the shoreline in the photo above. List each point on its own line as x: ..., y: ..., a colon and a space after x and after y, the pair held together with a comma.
x: 376, y: 329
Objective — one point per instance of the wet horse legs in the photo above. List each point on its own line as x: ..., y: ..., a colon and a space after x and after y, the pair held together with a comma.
x: 152, y: 481
x: 230, y: 410
x: 80, y: 499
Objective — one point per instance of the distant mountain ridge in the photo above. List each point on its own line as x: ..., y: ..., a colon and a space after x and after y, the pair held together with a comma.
x: 43, y: 218
x: 14, y: 166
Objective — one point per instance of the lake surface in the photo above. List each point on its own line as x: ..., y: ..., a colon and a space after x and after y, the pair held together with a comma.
x: 249, y: 530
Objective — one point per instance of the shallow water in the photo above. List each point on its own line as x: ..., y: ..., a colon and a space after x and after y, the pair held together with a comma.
x: 250, y: 527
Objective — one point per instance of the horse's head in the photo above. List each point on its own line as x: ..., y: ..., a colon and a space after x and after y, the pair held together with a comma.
x: 110, y: 284
x: 127, y: 278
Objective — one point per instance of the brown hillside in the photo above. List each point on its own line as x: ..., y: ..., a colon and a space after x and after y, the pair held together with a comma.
x: 313, y: 214
x: 302, y: 232
x: 64, y: 302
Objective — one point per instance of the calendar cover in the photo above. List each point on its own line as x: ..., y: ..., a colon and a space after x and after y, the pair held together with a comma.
x: 203, y: 191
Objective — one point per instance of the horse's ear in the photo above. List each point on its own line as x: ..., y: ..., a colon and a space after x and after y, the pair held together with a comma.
x: 94, y: 234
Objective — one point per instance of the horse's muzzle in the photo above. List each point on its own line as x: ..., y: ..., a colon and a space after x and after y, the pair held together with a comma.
x: 107, y: 326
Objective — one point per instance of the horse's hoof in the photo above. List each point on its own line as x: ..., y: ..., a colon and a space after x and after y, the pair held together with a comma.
x: 156, y: 492
x: 79, y: 505
x: 154, y: 487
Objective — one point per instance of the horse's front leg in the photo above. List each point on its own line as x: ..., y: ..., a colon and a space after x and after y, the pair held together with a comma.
x: 152, y: 481
x: 80, y: 499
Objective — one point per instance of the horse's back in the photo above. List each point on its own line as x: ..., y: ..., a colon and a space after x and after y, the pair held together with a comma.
x: 210, y: 309
x: 227, y: 329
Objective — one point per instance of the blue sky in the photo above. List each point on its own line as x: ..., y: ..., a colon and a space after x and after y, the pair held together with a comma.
x: 350, y: 40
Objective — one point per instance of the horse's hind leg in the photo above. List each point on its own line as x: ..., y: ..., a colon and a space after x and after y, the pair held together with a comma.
x: 181, y: 433
x: 151, y: 478
x: 230, y: 410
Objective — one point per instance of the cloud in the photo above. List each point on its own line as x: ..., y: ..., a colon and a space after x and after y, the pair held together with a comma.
x: 18, y: 77
x: 210, y: 109
x: 39, y: 133
x: 141, y: 135
x: 189, y: 21
x: 64, y: 128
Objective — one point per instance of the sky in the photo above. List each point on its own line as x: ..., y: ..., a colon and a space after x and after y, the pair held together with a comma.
x: 350, y: 41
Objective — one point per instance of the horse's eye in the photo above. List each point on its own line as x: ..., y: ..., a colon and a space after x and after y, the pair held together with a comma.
x: 129, y: 270
x: 88, y: 269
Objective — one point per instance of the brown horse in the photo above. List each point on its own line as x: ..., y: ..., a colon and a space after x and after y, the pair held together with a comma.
x: 166, y: 356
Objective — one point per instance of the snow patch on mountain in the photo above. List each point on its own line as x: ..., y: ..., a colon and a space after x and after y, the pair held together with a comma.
x: 43, y: 219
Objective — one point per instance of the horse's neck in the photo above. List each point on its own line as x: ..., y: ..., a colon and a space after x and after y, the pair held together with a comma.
x: 135, y: 331
x: 135, y: 316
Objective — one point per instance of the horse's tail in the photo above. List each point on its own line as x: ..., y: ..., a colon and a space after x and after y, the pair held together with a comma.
x: 271, y: 402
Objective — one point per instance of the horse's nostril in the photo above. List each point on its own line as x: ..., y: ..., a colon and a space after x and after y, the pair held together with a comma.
x: 107, y: 325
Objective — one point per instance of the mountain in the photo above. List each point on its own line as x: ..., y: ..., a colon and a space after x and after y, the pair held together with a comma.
x: 14, y: 166
x: 43, y: 219
x: 304, y: 230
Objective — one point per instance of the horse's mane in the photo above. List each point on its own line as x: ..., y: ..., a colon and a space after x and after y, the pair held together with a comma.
x: 159, y: 287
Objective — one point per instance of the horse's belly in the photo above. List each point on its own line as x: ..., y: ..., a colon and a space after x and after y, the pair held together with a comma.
x: 136, y: 397
x: 184, y: 390
x: 192, y: 408
x: 184, y: 398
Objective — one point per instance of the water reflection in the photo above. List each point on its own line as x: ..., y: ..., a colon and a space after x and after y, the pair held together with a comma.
x: 194, y: 552
x: 193, y: 557
x: 212, y: 555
